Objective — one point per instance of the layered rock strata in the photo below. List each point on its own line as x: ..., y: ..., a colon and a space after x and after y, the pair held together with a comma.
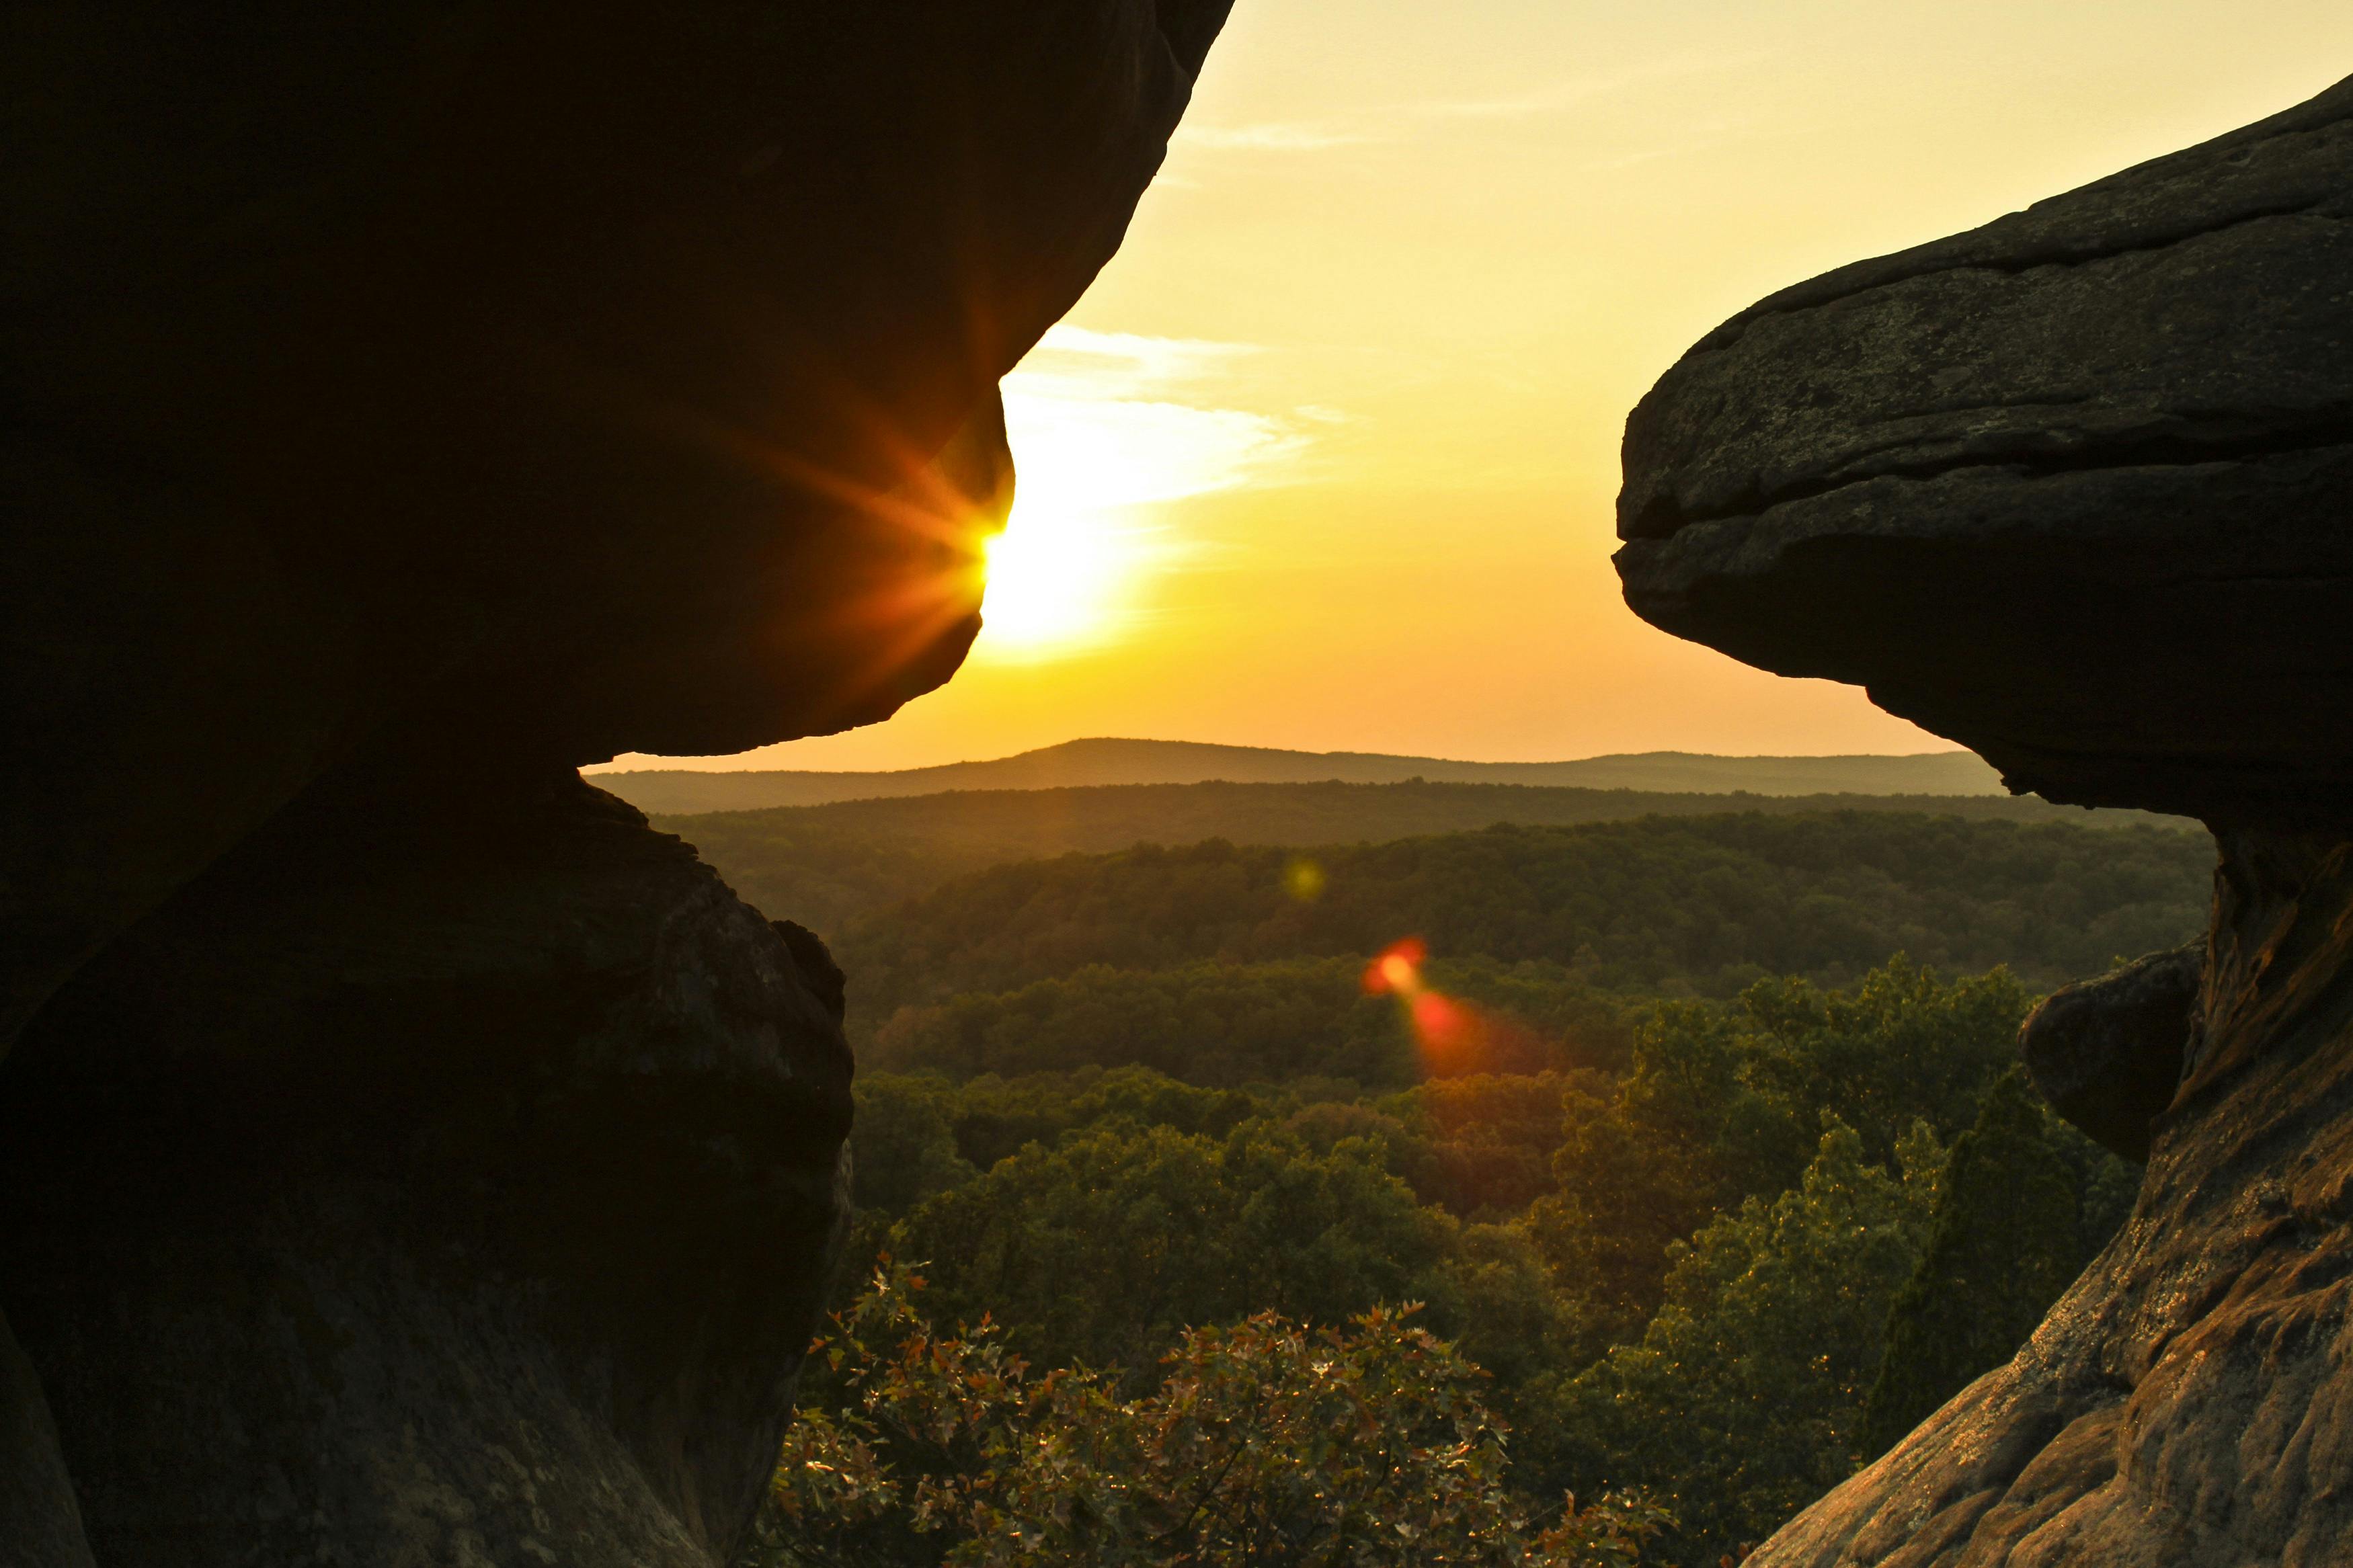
x: 2068, y: 488
x: 2071, y: 490
x: 404, y: 1154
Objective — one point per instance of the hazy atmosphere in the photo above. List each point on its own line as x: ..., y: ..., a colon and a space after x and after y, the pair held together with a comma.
x: 1334, y: 438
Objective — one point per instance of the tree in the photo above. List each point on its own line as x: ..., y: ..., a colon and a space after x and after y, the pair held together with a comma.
x: 1106, y: 1247
x: 1743, y: 1401
x: 902, y: 1144
x: 1264, y: 1444
x: 1722, y: 1102
x: 2005, y: 1245
x: 1486, y: 1142
x: 1903, y: 1045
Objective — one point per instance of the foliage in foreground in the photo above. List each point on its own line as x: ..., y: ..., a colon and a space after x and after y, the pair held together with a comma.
x: 1264, y: 1443
x: 1674, y: 1278
x: 1743, y: 1399
x: 2009, y: 1238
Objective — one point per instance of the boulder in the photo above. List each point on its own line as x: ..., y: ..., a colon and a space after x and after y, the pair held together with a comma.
x: 452, y: 1169
x: 2067, y: 489
x: 574, y: 378
x: 37, y: 1497
x: 2108, y: 1053
x: 2071, y: 489
x: 405, y: 1155
x: 2186, y: 1403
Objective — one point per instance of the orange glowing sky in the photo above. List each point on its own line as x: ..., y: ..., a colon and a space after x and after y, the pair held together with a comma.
x: 1326, y: 459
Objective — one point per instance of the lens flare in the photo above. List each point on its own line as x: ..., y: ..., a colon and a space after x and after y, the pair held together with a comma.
x: 1454, y: 1037
x: 1397, y: 970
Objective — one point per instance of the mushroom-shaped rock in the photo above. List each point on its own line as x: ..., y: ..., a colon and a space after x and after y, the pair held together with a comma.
x: 2070, y: 489
x: 410, y: 1156
x: 560, y: 378
x: 2073, y: 489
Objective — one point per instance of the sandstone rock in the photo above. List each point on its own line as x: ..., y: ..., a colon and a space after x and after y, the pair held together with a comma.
x: 2186, y: 1403
x: 435, y: 1174
x: 392, y: 1173
x: 575, y: 377
x: 2067, y: 489
x: 2108, y: 1053
x: 2071, y: 490
x: 36, y: 1500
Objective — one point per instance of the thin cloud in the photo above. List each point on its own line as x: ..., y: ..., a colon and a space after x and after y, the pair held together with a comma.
x: 1122, y: 420
x: 1075, y: 362
x: 1272, y: 138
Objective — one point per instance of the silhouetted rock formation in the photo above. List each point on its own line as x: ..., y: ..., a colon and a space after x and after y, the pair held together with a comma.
x: 416, y: 1171
x: 407, y: 1097
x: 2072, y: 488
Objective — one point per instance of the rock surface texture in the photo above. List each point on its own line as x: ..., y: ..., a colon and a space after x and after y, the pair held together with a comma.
x: 2073, y: 489
x: 406, y: 1154
x: 2070, y: 489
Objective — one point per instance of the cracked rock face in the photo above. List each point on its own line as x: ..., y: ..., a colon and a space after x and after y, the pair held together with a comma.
x: 405, y: 1155
x: 2186, y: 1403
x: 2073, y: 489
x: 2068, y: 488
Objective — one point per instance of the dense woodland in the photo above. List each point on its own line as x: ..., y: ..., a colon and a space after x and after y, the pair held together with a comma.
x: 1681, y: 1168
x: 1659, y: 903
x: 830, y: 864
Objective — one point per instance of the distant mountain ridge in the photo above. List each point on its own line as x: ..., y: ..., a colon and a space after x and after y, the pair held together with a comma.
x: 1080, y: 763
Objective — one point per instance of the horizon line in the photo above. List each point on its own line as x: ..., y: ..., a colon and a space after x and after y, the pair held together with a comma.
x: 688, y: 765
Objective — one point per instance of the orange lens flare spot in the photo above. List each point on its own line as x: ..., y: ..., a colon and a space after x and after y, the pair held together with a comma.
x: 1453, y: 1037
x: 1438, y: 1020
x: 1396, y: 972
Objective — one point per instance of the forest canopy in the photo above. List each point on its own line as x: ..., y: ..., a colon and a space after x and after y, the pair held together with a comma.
x: 826, y: 865
x: 1687, y: 1153
x: 1698, y: 904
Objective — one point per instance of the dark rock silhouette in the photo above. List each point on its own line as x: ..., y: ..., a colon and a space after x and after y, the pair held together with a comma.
x: 2071, y: 490
x: 2108, y: 1053
x: 404, y: 1098
x: 399, y: 1170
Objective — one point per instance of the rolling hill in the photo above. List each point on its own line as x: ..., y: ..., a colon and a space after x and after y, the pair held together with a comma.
x: 826, y: 865
x: 1091, y: 762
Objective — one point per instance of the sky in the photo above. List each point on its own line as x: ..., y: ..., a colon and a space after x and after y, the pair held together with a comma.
x: 1326, y: 459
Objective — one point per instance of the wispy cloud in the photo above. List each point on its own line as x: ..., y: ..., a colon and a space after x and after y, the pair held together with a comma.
x: 1107, y: 420
x: 1076, y: 363
x: 1393, y: 125
x: 1274, y: 137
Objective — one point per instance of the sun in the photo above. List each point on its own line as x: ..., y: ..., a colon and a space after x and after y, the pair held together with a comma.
x: 1056, y: 577
x: 1102, y: 452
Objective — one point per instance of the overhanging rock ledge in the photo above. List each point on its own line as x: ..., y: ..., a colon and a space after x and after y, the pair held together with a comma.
x: 2073, y: 489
